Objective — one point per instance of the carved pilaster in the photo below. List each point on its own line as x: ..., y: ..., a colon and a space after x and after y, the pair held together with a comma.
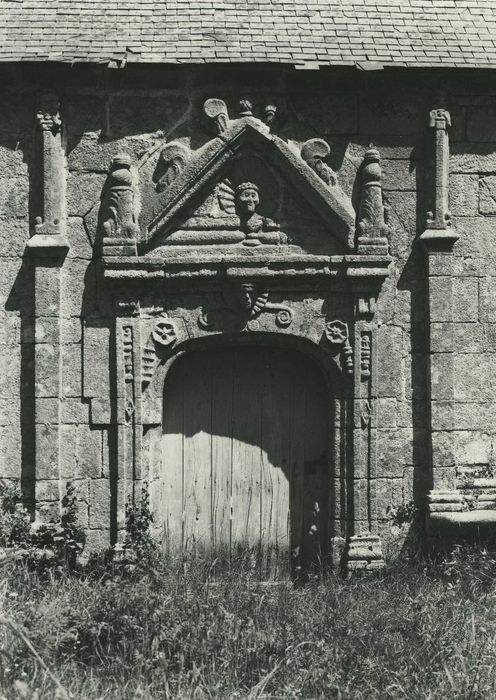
x: 364, y: 546
x: 51, y: 221
x: 440, y: 121
x: 438, y: 240
x: 120, y: 224
x: 371, y: 226
x: 128, y: 413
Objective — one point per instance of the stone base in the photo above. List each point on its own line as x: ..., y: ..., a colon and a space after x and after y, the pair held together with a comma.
x: 364, y: 553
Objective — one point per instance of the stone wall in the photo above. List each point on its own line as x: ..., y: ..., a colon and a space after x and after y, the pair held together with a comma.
x: 136, y: 111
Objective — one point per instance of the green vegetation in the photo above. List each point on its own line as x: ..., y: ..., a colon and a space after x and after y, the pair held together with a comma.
x: 139, y: 625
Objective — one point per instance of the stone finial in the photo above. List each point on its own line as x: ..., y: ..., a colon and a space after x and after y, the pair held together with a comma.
x: 121, y: 220
x: 216, y: 110
x: 48, y: 114
x: 371, y: 214
x: 245, y: 108
x: 174, y: 157
x: 270, y: 115
x: 314, y: 152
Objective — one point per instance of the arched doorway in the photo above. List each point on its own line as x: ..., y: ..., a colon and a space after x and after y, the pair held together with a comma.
x: 245, y: 456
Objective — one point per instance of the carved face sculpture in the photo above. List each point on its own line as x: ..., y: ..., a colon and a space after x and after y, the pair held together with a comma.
x: 245, y: 295
x: 247, y: 198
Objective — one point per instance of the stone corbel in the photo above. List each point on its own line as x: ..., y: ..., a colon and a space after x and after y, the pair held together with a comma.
x: 371, y: 223
x: 120, y: 225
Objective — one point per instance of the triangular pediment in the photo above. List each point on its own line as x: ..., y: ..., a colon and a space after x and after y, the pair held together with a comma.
x: 207, y: 202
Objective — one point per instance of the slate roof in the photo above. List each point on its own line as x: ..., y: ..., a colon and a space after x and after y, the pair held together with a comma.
x: 306, y: 33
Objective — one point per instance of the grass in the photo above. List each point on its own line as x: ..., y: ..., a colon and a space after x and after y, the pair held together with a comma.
x: 414, y: 631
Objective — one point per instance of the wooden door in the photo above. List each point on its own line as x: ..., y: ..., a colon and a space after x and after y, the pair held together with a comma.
x: 244, y: 456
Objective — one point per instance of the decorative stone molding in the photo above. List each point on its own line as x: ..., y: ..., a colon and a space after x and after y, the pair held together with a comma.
x: 244, y: 302
x: 120, y: 225
x: 364, y: 553
x: 314, y: 152
x: 365, y: 356
x: 337, y: 333
x: 371, y: 222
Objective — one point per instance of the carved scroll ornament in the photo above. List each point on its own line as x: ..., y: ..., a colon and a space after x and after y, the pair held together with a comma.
x: 314, y: 152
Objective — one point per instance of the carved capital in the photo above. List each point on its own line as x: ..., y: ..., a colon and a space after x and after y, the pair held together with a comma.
x: 439, y: 119
x: 48, y: 114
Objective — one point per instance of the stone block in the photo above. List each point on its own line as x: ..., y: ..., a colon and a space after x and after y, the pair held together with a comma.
x: 441, y: 299
x: 14, y: 196
x: 468, y: 337
x: 47, y: 330
x: 399, y: 175
x: 489, y: 337
x: 442, y: 337
x: 442, y: 376
x: 474, y: 416
x: 80, y: 244
x: 487, y: 300
x: 81, y: 452
x: 440, y: 264
x: 48, y: 490
x: 465, y: 299
x: 472, y: 158
x: 390, y: 373
x: 99, y: 505
x: 100, y: 411
x: 10, y: 411
x: 71, y: 330
x: 10, y: 331
x: 487, y: 194
x: 394, y: 451
x: 397, y: 112
x: 83, y: 192
x: 47, y: 452
x: 47, y: 365
x: 327, y: 116
x: 10, y: 378
x: 77, y: 278
x: 96, y: 340
x: 71, y: 370
x: 472, y: 447
x: 47, y: 411
x: 443, y: 449
x: 47, y: 289
x: 443, y: 415
x: 74, y: 411
x: 444, y: 478
x: 14, y: 234
x: 475, y: 377
x: 12, y: 160
x: 464, y: 195
x: 386, y: 413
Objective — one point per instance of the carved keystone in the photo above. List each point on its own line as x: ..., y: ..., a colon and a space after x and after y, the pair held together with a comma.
x: 314, y: 153
x: 216, y: 110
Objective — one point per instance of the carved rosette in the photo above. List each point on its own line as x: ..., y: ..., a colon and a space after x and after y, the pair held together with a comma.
x: 162, y: 337
x: 337, y: 333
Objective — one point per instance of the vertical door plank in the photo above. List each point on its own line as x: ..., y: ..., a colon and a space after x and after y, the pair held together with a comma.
x: 171, y: 499
x: 222, y: 411
x: 297, y: 401
x: 197, y: 476
x: 246, y: 423
x: 315, y: 468
x: 275, y: 461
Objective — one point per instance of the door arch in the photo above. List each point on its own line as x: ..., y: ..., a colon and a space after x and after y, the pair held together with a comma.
x: 244, y: 456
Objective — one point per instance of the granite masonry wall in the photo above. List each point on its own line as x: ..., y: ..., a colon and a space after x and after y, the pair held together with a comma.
x: 137, y: 111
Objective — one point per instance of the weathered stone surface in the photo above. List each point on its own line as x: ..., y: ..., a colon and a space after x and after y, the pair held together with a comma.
x: 443, y: 449
x: 80, y: 245
x: 475, y: 377
x: 14, y: 192
x: 72, y: 363
x: 487, y: 194
x: 394, y: 451
x: 442, y: 376
x: 99, y: 505
x: 400, y: 175
x: 464, y: 195
x: 390, y: 344
x: 472, y: 447
x: 465, y: 299
x: 83, y: 192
